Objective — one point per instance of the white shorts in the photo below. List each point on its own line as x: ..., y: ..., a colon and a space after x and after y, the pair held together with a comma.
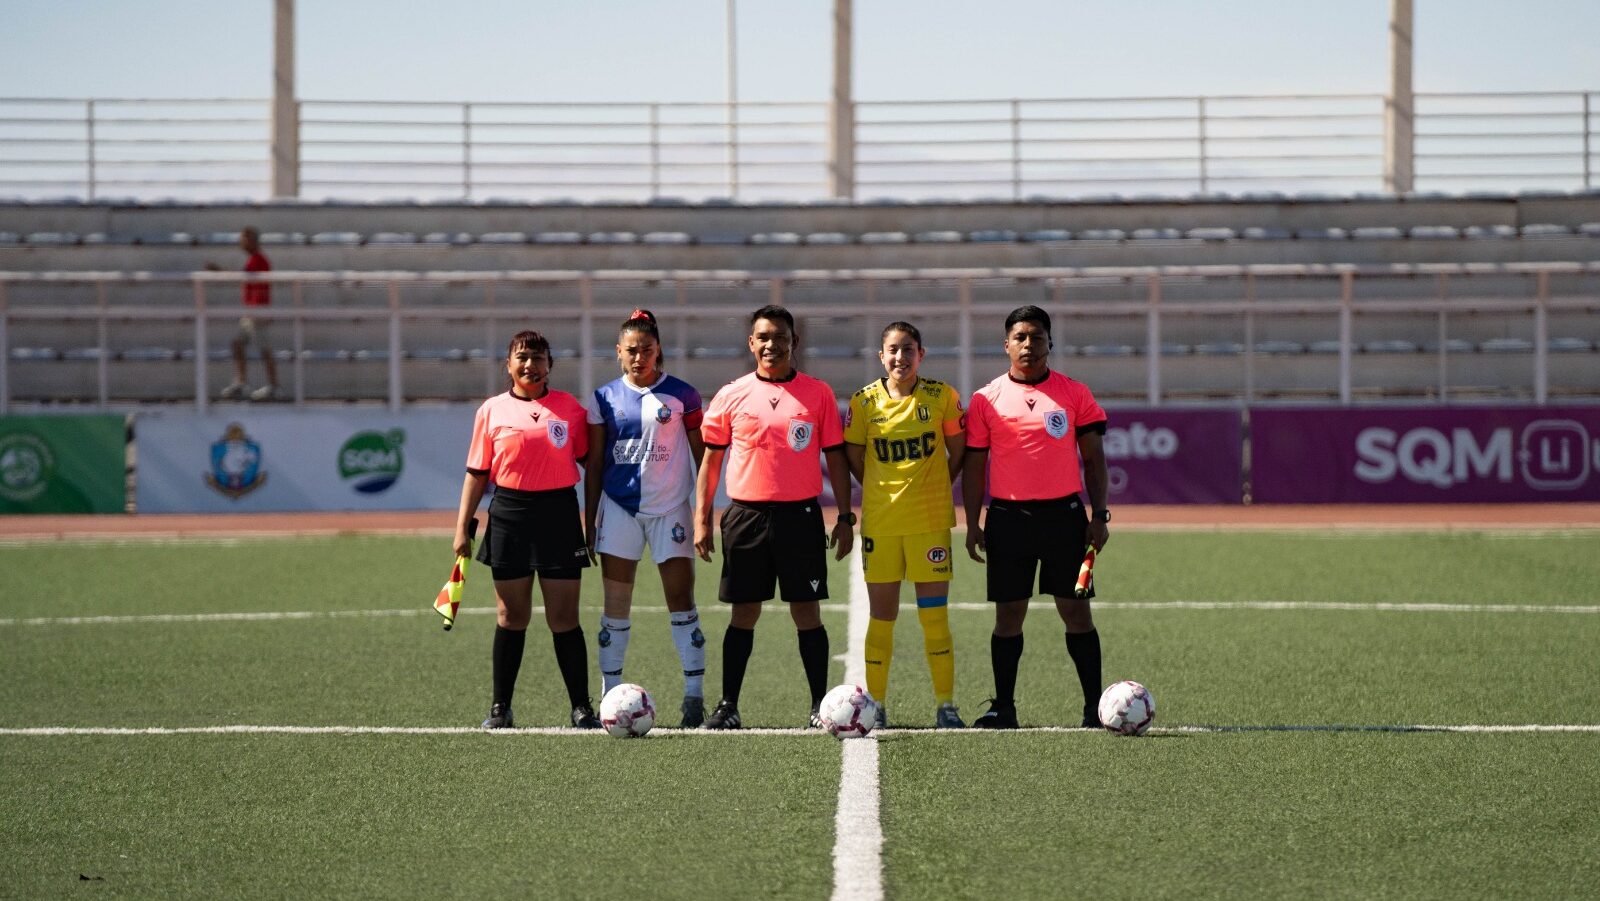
x: 254, y: 331
x: 622, y: 534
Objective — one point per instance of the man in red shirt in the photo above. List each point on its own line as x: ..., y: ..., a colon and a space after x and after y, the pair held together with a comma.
x: 1026, y: 432
x: 769, y: 426
x: 253, y: 330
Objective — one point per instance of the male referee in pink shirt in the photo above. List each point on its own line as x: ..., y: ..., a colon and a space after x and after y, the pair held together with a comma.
x: 1026, y: 432
x: 770, y: 426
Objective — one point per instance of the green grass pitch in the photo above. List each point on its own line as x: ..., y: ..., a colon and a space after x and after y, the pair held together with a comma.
x: 1328, y: 810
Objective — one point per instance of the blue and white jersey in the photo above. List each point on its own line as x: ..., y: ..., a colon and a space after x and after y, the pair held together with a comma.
x: 647, y: 458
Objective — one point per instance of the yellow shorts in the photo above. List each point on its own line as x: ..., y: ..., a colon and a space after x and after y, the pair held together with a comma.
x: 924, y: 557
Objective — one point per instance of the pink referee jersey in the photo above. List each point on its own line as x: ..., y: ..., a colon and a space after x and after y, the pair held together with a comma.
x: 773, y: 432
x: 529, y: 445
x: 1031, y: 434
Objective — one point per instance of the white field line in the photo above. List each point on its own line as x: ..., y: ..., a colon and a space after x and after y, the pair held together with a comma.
x: 671, y: 732
x: 1355, y: 606
x: 857, y: 829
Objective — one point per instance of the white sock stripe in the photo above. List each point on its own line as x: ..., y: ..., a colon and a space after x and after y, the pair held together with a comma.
x: 858, y: 832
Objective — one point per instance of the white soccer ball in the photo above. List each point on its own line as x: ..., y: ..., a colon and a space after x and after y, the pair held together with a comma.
x: 1127, y: 708
x: 848, y: 711
x: 628, y: 711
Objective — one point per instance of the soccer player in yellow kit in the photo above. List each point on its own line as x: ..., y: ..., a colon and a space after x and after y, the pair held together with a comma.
x: 904, y: 437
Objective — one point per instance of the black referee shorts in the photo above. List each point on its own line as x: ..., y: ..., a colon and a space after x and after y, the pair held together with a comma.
x: 534, y: 532
x: 1021, y: 536
x: 778, y: 544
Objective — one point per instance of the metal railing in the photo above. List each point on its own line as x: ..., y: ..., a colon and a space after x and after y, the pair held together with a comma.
x: 1010, y: 149
x: 950, y: 302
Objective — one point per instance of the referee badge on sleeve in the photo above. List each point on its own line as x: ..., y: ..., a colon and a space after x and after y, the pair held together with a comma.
x: 799, y: 435
x: 1055, y: 422
x: 557, y: 430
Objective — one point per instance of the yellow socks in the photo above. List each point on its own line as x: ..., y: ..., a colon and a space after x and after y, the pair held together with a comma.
x: 880, y: 647
x: 936, y: 643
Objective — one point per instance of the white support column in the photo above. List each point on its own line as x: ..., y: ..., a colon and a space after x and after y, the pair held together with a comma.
x: 102, y: 360
x: 1152, y: 340
x: 1399, y: 108
x: 1347, y: 293
x: 298, y: 333
x: 1250, y: 337
x: 585, y: 339
x: 1541, y: 341
x: 733, y: 100
x: 396, y: 389
x: 201, y: 397
x: 964, y: 337
x: 5, y: 353
x: 842, y: 108
x: 285, y: 108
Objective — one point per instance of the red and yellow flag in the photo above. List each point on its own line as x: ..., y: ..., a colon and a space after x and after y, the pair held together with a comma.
x: 449, y: 599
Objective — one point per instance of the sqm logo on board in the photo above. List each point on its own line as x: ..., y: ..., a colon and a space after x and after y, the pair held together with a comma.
x: 1549, y: 454
x: 235, y: 463
x: 370, y: 462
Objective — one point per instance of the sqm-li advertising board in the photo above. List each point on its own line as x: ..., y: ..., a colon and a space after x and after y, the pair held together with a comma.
x: 63, y: 463
x: 288, y: 460
x: 1425, y: 454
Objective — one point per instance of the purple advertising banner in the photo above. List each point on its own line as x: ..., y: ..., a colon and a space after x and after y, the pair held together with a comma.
x: 1174, y: 456
x: 1425, y: 454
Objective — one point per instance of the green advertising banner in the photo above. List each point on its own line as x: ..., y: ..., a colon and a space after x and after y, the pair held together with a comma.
x: 63, y: 464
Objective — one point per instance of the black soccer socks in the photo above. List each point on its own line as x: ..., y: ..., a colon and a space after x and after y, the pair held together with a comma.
x: 1084, y: 649
x: 814, y: 656
x: 736, y: 646
x: 1006, y: 653
x: 507, y: 661
x: 572, y: 656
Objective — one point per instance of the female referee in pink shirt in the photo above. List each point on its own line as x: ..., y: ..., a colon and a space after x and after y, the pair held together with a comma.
x: 530, y: 441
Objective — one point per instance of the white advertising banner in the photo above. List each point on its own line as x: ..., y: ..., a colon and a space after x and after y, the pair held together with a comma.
x: 261, y: 460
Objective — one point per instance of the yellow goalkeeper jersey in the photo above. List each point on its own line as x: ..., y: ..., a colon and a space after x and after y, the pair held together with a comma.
x: 906, y: 478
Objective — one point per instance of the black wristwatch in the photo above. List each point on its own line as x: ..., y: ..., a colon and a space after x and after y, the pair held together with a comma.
x: 1103, y: 514
x: 847, y: 518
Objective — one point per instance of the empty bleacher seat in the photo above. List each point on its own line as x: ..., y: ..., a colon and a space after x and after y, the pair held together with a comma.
x: 993, y: 236
x: 1545, y: 230
x: 1506, y: 346
x: 1219, y: 348
x: 613, y: 238
x: 666, y: 237
x: 1451, y: 346
x: 1107, y: 350
x: 1325, y: 346
x: 1434, y: 231
x: 503, y: 238
x: 1590, y: 229
x: 1262, y: 233
x: 453, y: 238
x: 1320, y: 234
x: 775, y: 238
x: 1046, y: 235
x: 1376, y: 233
x: 1480, y: 232
x: 884, y: 238
x: 721, y: 239
x: 827, y: 238
x: 1390, y: 346
x: 938, y: 237
x: 1210, y: 234
x: 1156, y: 234
x: 1278, y: 346
x: 545, y: 238
x: 149, y: 354
x: 1102, y: 234
x: 1570, y: 345
x: 1174, y: 349
x: 400, y: 238
x: 281, y: 238
x: 336, y: 238
x: 54, y: 239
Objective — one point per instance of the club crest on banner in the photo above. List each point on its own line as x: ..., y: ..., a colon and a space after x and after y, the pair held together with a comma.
x: 1055, y: 422
x: 800, y: 435
x: 558, y: 433
x: 235, y: 463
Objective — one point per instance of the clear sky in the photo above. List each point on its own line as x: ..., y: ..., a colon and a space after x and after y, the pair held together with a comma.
x: 486, y: 50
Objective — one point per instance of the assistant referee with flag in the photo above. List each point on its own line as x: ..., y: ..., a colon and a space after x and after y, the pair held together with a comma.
x: 1026, y: 432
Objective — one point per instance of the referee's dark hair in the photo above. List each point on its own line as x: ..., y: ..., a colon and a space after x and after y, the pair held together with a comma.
x: 773, y: 313
x: 1029, y: 313
x: 533, y: 342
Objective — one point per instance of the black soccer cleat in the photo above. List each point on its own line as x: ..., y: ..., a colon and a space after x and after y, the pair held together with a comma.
x: 1091, y: 718
x: 998, y: 716
x: 499, y: 717
x: 726, y: 716
x: 694, y: 713
x: 815, y: 722
x: 583, y: 717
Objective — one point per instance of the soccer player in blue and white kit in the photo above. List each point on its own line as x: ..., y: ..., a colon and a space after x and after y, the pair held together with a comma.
x: 645, y: 431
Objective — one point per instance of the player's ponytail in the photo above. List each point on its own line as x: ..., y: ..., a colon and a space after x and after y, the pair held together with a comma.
x: 643, y: 322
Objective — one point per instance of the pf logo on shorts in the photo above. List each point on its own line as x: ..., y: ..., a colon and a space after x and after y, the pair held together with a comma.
x: 557, y: 430
x: 938, y: 555
x: 1055, y: 422
x: 799, y: 435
